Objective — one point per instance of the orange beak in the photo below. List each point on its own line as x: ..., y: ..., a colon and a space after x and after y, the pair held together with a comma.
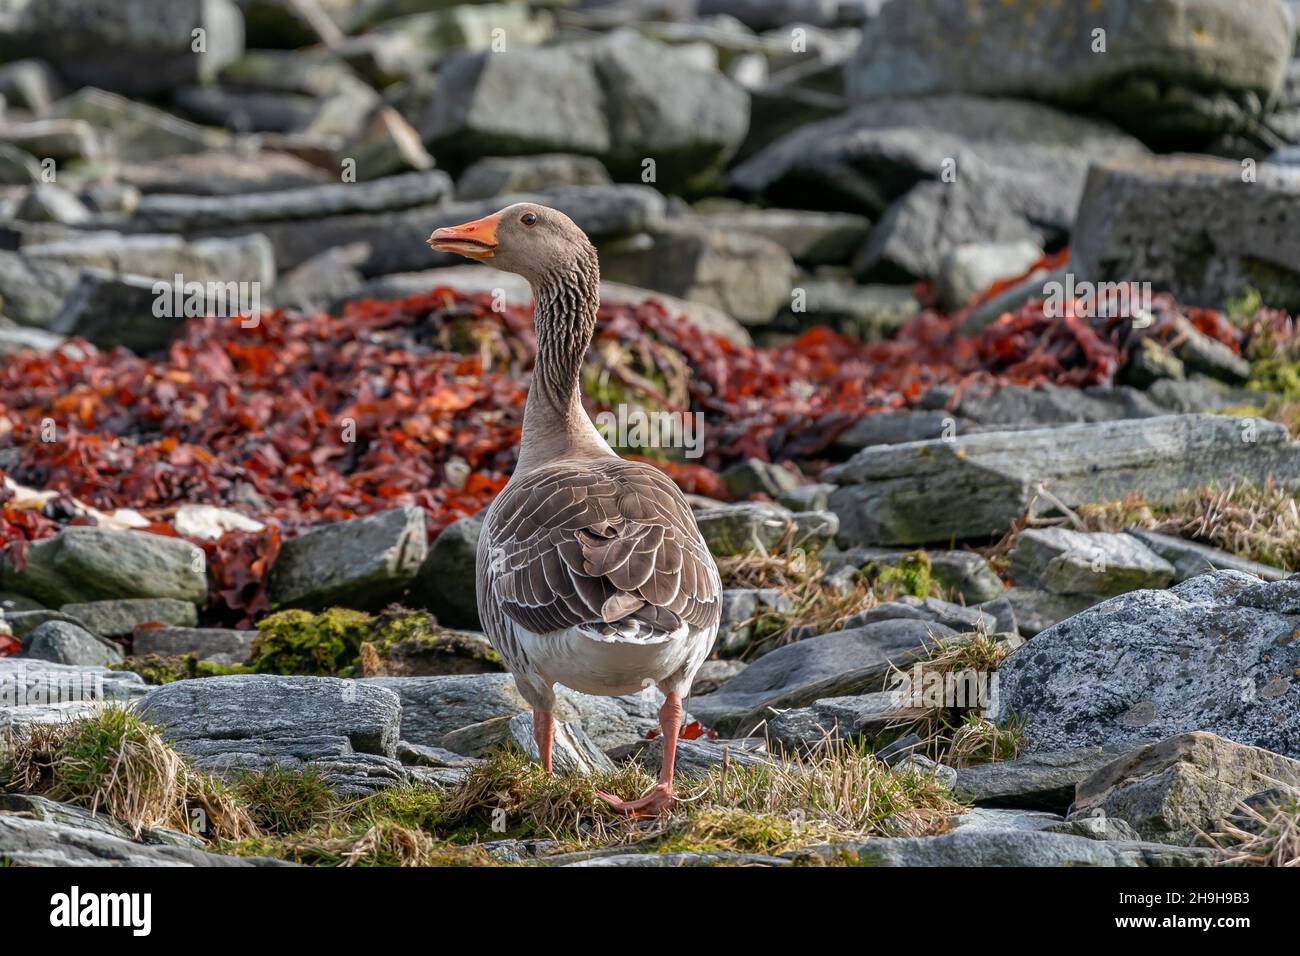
x: 474, y: 240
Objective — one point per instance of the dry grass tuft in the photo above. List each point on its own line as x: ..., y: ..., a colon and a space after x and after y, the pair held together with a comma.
x: 1258, y: 522
x: 114, y: 762
x: 1264, y: 838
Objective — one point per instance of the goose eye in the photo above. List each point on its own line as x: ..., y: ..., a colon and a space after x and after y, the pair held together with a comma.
x: 528, y: 218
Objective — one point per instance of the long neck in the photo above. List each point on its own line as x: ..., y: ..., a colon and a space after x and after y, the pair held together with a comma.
x: 564, y: 315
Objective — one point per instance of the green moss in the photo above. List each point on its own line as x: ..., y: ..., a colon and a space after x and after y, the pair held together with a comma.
x: 909, y: 574
x: 299, y: 642
x: 159, y: 669
x: 405, y: 642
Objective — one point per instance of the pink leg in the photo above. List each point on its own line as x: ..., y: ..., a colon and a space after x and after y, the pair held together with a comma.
x: 544, y: 734
x: 661, y: 797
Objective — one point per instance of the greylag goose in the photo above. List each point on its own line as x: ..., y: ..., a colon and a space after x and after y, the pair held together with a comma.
x: 591, y: 570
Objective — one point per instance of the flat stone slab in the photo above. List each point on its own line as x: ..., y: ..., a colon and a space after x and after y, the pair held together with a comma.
x: 1043, y: 781
x: 1065, y: 561
x: 1191, y: 558
x: 976, y: 485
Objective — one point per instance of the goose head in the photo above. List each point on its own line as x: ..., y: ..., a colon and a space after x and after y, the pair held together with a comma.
x: 537, y: 242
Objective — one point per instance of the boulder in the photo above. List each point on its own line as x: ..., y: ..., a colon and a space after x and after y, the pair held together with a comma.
x: 713, y: 674
x: 843, y: 662
x: 136, y: 131
x: 752, y: 476
x: 811, y: 238
x: 837, y: 718
x: 740, y: 606
x: 49, y: 202
x: 121, y: 618
x: 33, y: 292
x: 1064, y: 561
x: 363, y: 562
x: 445, y: 583
x: 62, y: 643
x: 745, y: 275
x: 346, y: 730
x: 497, y: 175
x: 1135, y: 215
x: 1036, y: 609
x: 247, y: 258
x: 918, y: 233
x: 1034, y: 157
x: 977, y: 485
x: 39, y: 691
x: 1183, y: 786
x: 96, y: 564
x: 214, y: 173
x: 989, y: 408
x: 29, y: 84
x: 621, y: 98
x: 1147, y: 73
x: 140, y: 47
x: 1217, y: 653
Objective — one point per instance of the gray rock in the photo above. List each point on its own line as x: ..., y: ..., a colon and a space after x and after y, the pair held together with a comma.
x: 1010, y: 299
x: 738, y: 529
x: 47, y: 202
x: 178, y: 213
x: 110, y: 310
x: 63, y: 140
x: 695, y: 759
x: 63, y: 643
x: 572, y: 751
x: 837, y: 718
x: 988, y: 47
x: 1036, y: 610
x: 17, y: 340
x: 1032, y: 156
x: 143, y: 49
x: 713, y: 674
x: 495, y: 175
x: 895, y: 426
x: 966, y: 574
x: 863, y: 312
x: 1183, y: 786
x: 18, y: 167
x: 752, y: 476
x: 1018, y: 406
x: 977, y: 485
x: 29, y: 84
x: 1042, y: 781
x: 1065, y: 561
x: 94, y: 564
x: 213, y: 173
x: 346, y: 730
x: 29, y: 842
x: 445, y: 583
x: 843, y: 662
x: 761, y: 15
x: 805, y: 497
x: 967, y: 270
x: 687, y: 858
x: 1190, y: 558
x: 205, y: 643
x: 744, y: 275
x: 1150, y: 362
x: 323, y: 279
x: 985, y: 819
x: 953, y: 617
x: 919, y: 232
x: 425, y: 756
x: 621, y: 98
x: 1097, y: 828
x: 1247, y: 229
x: 1202, y: 353
x: 136, y: 131
x: 33, y: 292
x: 121, y: 618
x: 814, y: 530
x: 247, y: 258
x: 433, y: 707
x: 49, y: 811
x: 812, y: 238
x: 42, y: 691
x: 1108, y: 675
x: 977, y: 846
x: 362, y: 562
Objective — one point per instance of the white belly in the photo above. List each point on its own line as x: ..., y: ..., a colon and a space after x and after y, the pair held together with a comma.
x: 584, y: 663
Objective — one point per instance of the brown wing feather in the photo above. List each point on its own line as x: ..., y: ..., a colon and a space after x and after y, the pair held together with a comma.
x: 592, y: 542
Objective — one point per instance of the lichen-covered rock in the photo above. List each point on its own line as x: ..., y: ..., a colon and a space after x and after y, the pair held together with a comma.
x: 446, y: 583
x: 95, y: 564
x: 1183, y: 786
x: 1218, y: 653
